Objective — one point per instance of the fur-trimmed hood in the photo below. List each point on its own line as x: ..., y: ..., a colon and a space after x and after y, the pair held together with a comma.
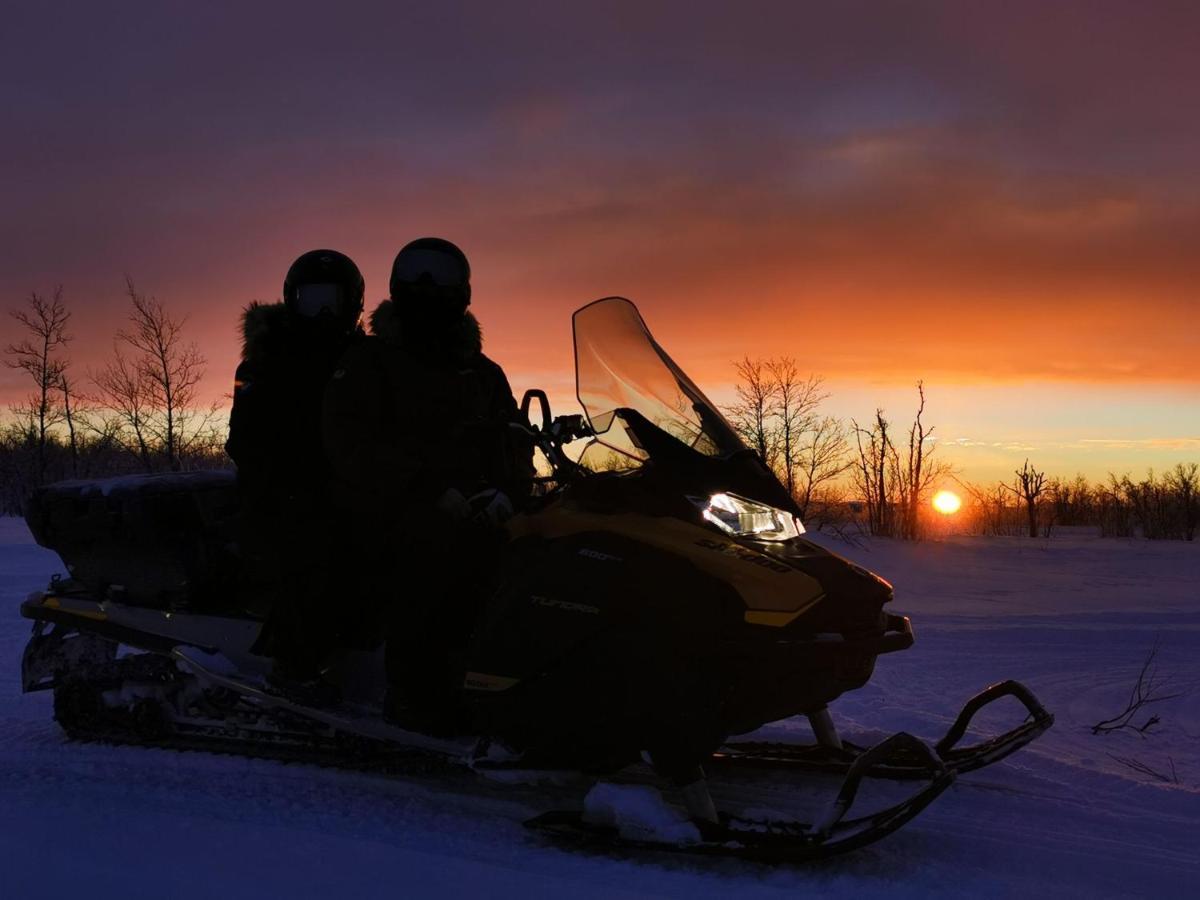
x: 268, y: 329
x: 465, y: 342
x: 261, y: 323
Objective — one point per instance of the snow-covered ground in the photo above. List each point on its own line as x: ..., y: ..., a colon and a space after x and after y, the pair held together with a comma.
x: 1074, y: 618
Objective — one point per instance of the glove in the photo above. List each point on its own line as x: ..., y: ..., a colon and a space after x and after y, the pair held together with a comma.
x: 491, y: 508
x: 454, y: 505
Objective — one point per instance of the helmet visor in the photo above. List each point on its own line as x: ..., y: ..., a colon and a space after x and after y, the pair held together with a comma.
x: 314, y: 299
x: 421, y: 264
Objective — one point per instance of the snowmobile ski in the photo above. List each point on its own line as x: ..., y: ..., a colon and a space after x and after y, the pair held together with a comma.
x: 842, y: 755
x: 777, y: 841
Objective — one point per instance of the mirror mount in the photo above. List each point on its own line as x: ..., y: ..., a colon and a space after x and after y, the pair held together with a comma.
x: 543, y: 402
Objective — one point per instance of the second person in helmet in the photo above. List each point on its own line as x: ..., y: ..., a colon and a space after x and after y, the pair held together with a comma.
x: 417, y: 420
x: 290, y: 351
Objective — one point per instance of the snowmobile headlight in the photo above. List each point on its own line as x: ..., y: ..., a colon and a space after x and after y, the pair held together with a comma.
x: 747, y: 518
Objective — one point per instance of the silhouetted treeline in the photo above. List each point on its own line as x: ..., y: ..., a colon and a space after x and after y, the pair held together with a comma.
x: 879, y: 480
x: 1163, y: 506
x: 95, y: 456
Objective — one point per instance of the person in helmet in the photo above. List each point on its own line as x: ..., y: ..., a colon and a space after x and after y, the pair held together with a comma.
x: 418, y: 409
x: 417, y: 423
x: 290, y: 350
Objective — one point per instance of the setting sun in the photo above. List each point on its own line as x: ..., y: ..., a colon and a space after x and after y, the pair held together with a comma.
x: 947, y: 502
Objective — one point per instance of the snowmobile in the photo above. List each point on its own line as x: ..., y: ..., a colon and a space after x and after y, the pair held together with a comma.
x: 656, y: 597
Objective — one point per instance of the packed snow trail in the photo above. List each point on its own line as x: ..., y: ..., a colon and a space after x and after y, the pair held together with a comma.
x: 1074, y: 619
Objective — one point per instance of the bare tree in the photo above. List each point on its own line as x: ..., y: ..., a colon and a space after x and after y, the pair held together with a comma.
x: 74, y: 410
x: 894, y: 488
x: 776, y: 414
x: 170, y: 370
x: 874, y: 448
x: 1028, y: 487
x: 796, y: 402
x: 908, y: 477
x: 46, y: 322
x: 126, y: 395
x: 70, y: 417
x: 914, y: 475
x: 823, y: 457
x: 753, y: 414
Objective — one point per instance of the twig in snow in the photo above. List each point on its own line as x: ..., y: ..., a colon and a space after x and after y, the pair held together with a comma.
x: 1142, y: 768
x: 1148, y: 689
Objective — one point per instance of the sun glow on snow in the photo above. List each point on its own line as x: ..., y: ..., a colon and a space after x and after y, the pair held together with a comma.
x: 947, y: 502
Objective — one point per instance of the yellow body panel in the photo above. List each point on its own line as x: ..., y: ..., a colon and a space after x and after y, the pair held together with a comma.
x: 774, y: 592
x: 481, y: 681
x: 766, y: 617
x: 53, y: 602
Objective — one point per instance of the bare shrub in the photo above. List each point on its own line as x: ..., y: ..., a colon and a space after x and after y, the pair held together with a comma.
x: 1184, y: 482
x: 989, y: 510
x: 1070, y: 503
x: 1156, y: 508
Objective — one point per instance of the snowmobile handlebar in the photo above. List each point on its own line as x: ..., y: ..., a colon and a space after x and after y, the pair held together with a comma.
x: 563, y: 429
x: 552, y: 433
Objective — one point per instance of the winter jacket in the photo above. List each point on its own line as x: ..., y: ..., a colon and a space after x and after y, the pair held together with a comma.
x: 275, y: 425
x: 408, y: 416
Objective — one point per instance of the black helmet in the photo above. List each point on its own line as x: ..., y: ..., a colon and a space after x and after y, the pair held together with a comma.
x: 432, y: 270
x: 325, y: 286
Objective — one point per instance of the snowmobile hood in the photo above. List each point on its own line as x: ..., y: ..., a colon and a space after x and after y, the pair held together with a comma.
x: 774, y: 591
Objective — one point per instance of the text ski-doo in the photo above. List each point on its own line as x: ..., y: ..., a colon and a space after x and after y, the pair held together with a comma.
x: 655, y: 598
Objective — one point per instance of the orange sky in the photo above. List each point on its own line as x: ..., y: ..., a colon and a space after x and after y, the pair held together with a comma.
x: 1001, y: 201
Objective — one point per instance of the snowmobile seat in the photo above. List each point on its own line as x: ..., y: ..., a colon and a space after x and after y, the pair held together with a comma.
x: 164, y: 541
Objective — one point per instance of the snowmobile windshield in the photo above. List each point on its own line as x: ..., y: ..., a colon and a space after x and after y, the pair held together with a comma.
x: 623, y: 375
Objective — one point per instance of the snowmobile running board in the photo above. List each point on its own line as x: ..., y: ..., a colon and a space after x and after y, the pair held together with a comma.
x: 778, y: 841
x: 363, y: 726
x: 902, y: 765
